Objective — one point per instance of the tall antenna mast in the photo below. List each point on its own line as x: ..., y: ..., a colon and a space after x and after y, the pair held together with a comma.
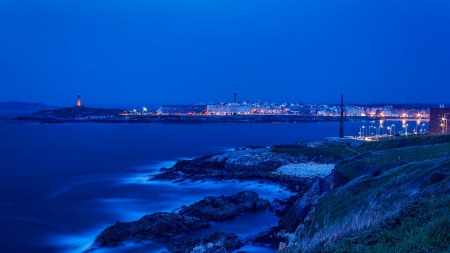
x: 341, y: 128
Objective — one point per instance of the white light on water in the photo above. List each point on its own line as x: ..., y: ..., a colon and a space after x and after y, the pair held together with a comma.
x: 75, y: 243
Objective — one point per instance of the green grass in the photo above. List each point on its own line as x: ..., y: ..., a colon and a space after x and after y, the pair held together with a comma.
x: 318, y: 154
x: 405, y: 142
x: 384, y: 190
x: 381, y: 203
x: 380, y: 161
x: 341, y: 151
x: 421, y: 226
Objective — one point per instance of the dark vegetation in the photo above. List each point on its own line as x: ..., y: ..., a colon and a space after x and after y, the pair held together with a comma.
x: 70, y: 113
x: 386, y: 196
x: 330, y: 154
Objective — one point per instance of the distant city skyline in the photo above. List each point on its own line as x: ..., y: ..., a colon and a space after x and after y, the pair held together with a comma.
x: 203, y: 51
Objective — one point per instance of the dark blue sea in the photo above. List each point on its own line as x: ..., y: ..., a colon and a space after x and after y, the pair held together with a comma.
x: 62, y: 184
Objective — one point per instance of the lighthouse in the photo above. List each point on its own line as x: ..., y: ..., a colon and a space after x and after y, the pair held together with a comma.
x: 79, y: 100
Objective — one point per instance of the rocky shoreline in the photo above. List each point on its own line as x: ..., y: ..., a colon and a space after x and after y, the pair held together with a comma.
x: 308, y: 220
x: 185, y: 219
x: 250, y: 163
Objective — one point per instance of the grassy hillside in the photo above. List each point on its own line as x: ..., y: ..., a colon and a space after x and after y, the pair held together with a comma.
x: 394, y: 196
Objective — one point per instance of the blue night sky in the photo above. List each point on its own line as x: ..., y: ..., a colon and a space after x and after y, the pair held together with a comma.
x: 203, y: 51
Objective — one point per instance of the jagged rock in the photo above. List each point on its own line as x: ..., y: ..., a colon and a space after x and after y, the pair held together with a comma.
x: 303, y: 205
x: 182, y: 246
x: 195, y: 216
x: 249, y: 162
x: 168, y: 174
x: 223, y: 207
x: 269, y: 237
x: 159, y: 224
x: 214, y: 242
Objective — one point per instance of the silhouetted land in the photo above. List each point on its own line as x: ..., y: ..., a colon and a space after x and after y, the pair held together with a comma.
x: 87, y: 114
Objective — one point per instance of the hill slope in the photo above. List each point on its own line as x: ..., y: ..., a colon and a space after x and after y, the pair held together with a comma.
x: 394, y: 196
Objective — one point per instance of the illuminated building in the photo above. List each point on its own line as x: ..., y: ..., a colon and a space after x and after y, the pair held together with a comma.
x: 79, y: 100
x: 228, y: 109
x: 439, y: 118
x: 182, y: 110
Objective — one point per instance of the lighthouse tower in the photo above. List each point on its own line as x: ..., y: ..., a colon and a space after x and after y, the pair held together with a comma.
x: 79, y: 100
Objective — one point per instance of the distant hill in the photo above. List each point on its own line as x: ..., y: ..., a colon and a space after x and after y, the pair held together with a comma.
x: 24, y: 106
x: 72, y: 113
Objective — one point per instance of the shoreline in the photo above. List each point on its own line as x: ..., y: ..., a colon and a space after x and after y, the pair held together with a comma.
x: 273, y: 191
x: 267, y: 185
x: 254, y: 163
x: 175, y: 119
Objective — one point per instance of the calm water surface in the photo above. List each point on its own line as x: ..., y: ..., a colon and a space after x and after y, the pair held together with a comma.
x: 62, y: 184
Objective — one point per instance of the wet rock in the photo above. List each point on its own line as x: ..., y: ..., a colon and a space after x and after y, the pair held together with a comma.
x: 161, y: 224
x: 212, y: 243
x: 195, y: 216
x: 242, y: 163
x: 223, y: 207
x: 269, y: 237
x: 166, y: 175
x: 182, y: 246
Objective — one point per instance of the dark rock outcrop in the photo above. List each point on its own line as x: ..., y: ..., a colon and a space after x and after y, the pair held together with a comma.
x: 246, y: 163
x: 159, y: 224
x: 195, y: 216
x: 302, y: 206
x: 186, y: 245
x: 214, y: 242
x: 223, y: 207
x: 270, y: 237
